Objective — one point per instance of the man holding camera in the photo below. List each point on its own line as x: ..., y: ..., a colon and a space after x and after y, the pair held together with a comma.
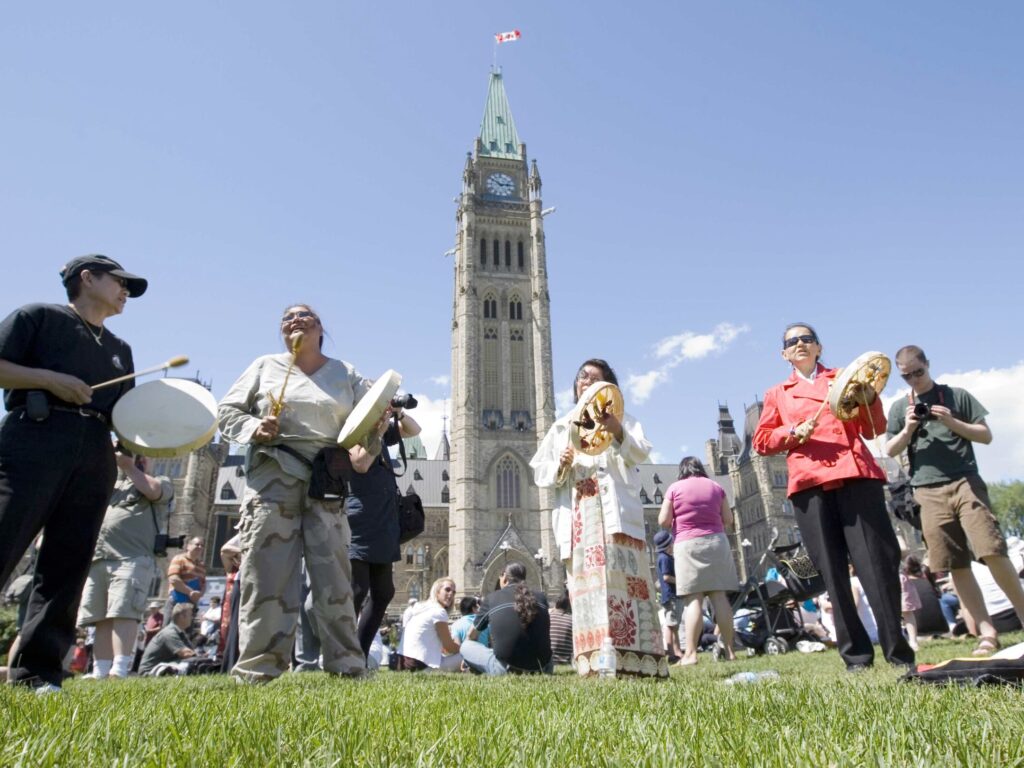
x: 936, y: 425
x: 57, y: 467
x: 124, y: 565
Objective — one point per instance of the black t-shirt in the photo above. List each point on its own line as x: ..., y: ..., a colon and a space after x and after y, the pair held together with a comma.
x: 53, y: 337
x: 524, y: 649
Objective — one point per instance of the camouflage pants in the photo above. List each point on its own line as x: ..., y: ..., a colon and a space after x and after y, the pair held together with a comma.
x: 279, y: 526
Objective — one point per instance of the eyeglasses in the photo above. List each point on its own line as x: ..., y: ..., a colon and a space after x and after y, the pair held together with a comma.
x: 805, y: 338
x: 300, y: 314
x: 912, y: 374
x: 587, y: 376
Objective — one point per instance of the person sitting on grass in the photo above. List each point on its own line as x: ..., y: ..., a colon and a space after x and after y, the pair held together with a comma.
x: 426, y: 639
x: 468, y: 607
x: 561, y: 629
x: 520, y: 629
x: 171, y: 643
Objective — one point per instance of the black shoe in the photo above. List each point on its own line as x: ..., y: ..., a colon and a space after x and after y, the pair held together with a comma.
x: 857, y: 668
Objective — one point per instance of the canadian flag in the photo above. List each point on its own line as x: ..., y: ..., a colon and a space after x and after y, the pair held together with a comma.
x: 508, y: 37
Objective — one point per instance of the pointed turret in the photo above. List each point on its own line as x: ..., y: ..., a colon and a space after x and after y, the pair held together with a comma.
x: 444, y: 449
x: 498, y: 136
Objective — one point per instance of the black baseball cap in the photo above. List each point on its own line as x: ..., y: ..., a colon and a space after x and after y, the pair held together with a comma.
x: 94, y: 262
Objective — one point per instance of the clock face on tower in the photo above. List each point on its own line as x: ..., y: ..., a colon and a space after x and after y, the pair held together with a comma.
x: 501, y: 184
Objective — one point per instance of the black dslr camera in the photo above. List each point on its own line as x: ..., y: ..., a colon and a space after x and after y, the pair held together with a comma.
x: 923, y: 412
x: 406, y: 401
x: 163, y: 541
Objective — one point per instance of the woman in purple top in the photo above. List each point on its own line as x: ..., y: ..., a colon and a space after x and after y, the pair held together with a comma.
x: 696, y: 510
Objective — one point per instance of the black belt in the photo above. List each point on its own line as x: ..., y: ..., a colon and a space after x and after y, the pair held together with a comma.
x: 87, y: 412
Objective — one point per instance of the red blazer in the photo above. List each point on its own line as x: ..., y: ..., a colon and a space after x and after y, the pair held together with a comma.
x: 835, y: 451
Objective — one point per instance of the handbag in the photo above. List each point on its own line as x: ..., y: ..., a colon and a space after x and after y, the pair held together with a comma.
x: 330, y: 472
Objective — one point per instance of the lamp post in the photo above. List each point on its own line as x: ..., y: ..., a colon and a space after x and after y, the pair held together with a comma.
x: 539, y: 557
x: 746, y: 545
x: 505, y: 547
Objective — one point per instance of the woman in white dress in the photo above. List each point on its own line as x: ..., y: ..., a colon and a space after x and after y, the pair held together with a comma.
x: 602, y: 538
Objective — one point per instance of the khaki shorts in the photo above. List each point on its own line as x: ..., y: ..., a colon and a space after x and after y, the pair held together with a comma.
x: 958, y: 524
x: 116, y: 589
x: 671, y: 615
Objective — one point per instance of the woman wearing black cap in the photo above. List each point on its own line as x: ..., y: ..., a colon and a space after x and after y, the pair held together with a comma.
x: 57, y: 465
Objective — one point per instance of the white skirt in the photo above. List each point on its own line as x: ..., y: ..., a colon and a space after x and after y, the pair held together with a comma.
x: 705, y: 564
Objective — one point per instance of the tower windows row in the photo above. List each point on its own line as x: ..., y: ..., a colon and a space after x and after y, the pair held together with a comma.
x: 495, y: 251
x: 515, y: 308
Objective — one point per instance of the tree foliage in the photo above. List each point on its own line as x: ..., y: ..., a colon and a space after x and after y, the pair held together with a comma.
x: 1008, y: 506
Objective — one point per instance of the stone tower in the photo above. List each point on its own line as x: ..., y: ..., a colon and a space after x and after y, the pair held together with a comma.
x: 502, y: 391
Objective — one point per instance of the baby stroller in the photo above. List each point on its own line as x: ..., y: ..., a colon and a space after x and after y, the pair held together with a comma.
x: 766, y: 614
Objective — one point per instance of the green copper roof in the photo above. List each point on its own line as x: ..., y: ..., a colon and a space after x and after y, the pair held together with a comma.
x: 497, y: 130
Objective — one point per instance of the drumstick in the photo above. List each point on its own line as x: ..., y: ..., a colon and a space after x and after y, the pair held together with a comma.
x: 174, y: 362
x: 277, y: 403
x: 817, y: 413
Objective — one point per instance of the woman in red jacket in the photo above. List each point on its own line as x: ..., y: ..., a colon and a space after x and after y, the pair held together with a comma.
x: 836, y: 489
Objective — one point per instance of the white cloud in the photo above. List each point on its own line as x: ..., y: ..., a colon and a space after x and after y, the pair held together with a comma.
x: 641, y: 385
x: 693, y: 346
x: 999, y: 390
x: 441, y: 381
x: 563, y: 402
x: 674, y: 350
x: 429, y: 415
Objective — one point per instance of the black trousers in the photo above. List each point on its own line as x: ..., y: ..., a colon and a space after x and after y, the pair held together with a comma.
x: 850, y: 524
x: 372, y: 590
x: 56, y: 476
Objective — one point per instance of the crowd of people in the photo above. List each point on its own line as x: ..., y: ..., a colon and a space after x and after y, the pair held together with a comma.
x: 309, y: 572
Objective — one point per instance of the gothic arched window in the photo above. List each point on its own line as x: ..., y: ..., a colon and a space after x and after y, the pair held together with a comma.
x: 515, y: 309
x: 414, y: 590
x: 508, y: 483
x: 517, y: 368
x: 445, y: 495
x: 419, y: 555
x: 408, y: 555
x: 519, y: 252
x: 508, y: 255
x: 227, y: 493
x: 496, y: 251
x: 483, y: 251
x: 491, y: 369
x: 490, y: 307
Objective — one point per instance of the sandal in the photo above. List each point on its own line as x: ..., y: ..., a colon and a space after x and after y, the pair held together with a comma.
x: 986, y: 646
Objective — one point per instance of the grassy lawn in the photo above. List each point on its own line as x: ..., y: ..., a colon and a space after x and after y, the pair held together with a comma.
x: 814, y: 714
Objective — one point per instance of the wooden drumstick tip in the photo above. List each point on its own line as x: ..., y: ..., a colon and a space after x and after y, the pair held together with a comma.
x: 175, y: 362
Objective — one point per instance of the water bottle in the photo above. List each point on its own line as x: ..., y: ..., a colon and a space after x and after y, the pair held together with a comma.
x: 745, y: 678
x: 606, y: 662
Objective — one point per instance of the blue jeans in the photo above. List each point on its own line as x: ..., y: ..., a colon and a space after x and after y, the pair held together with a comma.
x: 949, y: 605
x: 480, y: 658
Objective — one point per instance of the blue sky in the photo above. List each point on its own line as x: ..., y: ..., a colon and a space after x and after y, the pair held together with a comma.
x: 719, y: 169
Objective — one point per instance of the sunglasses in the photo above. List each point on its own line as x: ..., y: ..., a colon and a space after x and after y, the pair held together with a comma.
x: 300, y: 314
x: 805, y: 338
x: 912, y: 374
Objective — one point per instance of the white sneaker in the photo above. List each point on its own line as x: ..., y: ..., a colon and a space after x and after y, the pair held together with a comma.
x: 47, y: 688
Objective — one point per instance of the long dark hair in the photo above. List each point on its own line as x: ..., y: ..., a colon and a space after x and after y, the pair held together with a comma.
x: 524, y: 602
x: 607, y: 373
x: 691, y: 467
